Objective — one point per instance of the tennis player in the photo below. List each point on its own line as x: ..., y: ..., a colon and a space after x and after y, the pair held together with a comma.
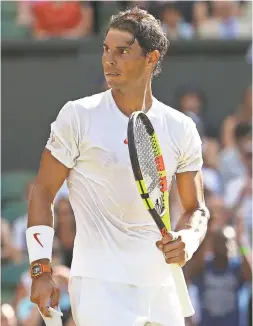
x: 120, y: 273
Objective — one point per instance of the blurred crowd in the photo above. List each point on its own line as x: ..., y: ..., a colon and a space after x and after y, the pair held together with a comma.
x: 79, y: 19
x: 219, y: 275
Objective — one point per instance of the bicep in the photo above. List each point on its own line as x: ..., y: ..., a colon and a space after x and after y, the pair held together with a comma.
x: 52, y: 173
x: 190, y: 189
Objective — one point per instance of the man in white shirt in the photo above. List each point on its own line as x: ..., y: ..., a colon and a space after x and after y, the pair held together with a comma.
x: 120, y: 271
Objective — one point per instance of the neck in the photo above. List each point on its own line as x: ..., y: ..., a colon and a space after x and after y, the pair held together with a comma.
x: 131, y: 100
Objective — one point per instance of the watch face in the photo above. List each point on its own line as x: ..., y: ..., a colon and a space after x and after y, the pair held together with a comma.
x: 36, y: 270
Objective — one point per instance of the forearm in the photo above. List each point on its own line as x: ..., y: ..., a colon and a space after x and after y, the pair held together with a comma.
x: 40, y: 207
x: 195, y: 221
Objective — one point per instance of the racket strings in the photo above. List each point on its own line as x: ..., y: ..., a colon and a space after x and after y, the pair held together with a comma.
x: 147, y: 151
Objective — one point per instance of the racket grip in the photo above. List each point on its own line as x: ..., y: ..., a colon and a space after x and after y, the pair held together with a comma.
x: 182, y: 291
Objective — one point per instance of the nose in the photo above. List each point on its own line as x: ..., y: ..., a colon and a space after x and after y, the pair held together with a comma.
x: 111, y: 63
x: 110, y: 60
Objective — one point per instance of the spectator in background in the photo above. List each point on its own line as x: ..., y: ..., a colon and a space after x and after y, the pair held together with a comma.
x: 243, y: 114
x: 238, y: 192
x: 20, y: 226
x: 221, y: 216
x: 219, y: 276
x: 200, y: 14
x: 56, y: 19
x: 191, y: 101
x: 173, y: 23
x: 8, y: 317
x: 8, y: 252
x: 224, y: 23
x: 232, y: 161
x: 65, y: 228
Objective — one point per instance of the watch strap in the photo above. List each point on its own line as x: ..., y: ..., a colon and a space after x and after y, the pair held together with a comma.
x: 44, y: 268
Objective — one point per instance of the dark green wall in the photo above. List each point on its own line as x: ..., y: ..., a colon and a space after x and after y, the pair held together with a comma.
x: 38, y: 78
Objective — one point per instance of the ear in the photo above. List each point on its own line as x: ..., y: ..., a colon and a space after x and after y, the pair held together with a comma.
x: 153, y: 57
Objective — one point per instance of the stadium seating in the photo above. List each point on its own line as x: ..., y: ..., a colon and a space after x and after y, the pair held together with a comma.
x: 105, y: 10
x: 13, y: 184
x: 9, y: 27
x: 10, y: 277
x: 10, y: 274
x: 14, y: 210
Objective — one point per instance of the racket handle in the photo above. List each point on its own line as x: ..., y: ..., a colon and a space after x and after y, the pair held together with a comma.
x: 182, y: 291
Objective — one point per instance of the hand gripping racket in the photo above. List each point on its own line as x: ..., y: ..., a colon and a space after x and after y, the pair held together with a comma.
x: 150, y: 175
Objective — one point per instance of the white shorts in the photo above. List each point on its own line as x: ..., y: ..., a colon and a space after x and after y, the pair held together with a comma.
x: 100, y: 303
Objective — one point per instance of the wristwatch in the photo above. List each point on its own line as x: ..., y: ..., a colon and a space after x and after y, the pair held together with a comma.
x: 38, y: 269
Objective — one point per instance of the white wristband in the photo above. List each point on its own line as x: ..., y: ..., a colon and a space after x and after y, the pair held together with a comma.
x: 191, y: 240
x: 39, y: 241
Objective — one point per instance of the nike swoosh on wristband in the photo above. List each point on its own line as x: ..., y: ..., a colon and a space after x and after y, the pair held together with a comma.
x: 35, y: 235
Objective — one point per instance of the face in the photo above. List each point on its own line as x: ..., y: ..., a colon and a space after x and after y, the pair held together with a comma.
x: 223, y: 8
x: 171, y: 17
x: 224, y: 242
x: 124, y: 64
x: 190, y: 102
x: 220, y: 245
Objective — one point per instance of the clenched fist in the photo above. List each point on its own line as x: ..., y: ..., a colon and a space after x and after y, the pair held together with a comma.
x: 173, y: 250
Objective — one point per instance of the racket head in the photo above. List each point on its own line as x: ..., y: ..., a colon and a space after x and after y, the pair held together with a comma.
x: 161, y: 218
x: 149, y: 169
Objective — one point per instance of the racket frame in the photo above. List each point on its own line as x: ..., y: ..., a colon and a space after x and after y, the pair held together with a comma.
x: 162, y: 221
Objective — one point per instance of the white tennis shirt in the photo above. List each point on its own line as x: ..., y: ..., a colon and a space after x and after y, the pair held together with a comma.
x: 115, y: 235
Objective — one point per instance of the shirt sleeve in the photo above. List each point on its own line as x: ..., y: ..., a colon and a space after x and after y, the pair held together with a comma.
x: 63, y: 141
x: 191, y: 149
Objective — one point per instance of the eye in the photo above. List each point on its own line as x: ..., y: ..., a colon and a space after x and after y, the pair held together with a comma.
x: 105, y: 48
x: 124, y: 51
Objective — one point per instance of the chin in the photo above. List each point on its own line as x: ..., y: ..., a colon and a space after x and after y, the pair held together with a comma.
x: 114, y: 84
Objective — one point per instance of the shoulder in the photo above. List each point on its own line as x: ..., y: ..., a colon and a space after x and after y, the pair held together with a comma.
x: 176, y: 120
x: 171, y: 113
x: 90, y: 102
x: 82, y: 105
x: 76, y: 113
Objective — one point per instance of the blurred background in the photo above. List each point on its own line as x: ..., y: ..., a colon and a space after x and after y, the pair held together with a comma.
x: 51, y: 53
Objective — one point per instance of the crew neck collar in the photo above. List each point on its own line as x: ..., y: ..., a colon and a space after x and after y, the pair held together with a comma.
x: 120, y: 113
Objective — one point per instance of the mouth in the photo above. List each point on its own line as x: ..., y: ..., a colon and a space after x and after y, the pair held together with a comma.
x: 112, y: 74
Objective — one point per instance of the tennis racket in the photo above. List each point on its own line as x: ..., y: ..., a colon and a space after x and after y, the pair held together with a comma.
x: 150, y: 175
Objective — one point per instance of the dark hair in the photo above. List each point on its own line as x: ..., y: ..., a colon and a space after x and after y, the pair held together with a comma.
x: 145, y: 29
x: 243, y: 129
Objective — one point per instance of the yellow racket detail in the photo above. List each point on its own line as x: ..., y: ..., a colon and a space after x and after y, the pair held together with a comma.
x: 150, y: 176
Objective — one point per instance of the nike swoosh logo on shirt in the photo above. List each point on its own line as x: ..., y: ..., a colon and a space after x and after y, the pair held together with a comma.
x: 35, y: 235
